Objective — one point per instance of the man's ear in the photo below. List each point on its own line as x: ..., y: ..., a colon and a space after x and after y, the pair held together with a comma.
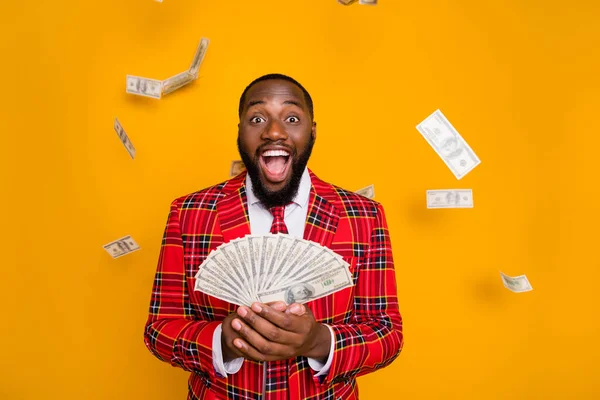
x: 314, y: 130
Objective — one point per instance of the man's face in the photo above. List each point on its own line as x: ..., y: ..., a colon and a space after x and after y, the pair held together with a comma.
x: 275, y: 138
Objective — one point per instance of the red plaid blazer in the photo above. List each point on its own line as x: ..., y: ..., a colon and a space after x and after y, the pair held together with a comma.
x: 365, y: 318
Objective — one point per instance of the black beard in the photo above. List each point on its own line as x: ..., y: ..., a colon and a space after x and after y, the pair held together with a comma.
x: 286, y: 194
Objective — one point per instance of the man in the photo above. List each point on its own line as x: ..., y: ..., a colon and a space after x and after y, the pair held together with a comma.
x: 277, y: 350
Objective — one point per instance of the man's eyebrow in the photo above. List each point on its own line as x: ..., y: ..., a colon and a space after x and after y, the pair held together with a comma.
x: 255, y: 102
x: 294, y: 102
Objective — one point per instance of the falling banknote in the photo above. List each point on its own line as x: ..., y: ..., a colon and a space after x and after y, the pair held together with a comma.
x: 517, y: 284
x: 369, y: 2
x: 347, y: 2
x: 124, y: 138
x: 156, y: 89
x: 198, y: 57
x: 175, y: 82
x: 448, y: 144
x: 121, y: 247
x: 368, y: 192
x: 450, y: 198
x: 144, y: 86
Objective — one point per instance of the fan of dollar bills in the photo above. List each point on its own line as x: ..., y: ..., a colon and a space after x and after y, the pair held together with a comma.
x: 272, y: 268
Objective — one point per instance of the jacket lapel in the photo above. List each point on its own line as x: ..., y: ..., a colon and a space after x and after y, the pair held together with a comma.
x: 232, y: 210
x: 322, y: 217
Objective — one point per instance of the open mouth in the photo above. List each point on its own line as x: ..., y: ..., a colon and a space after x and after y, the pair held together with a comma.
x: 275, y: 165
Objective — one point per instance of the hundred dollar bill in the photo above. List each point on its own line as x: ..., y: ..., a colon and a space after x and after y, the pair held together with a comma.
x: 450, y: 198
x: 124, y: 138
x: 448, y: 144
x: 209, y: 273
x: 303, y: 291
x: 369, y: 2
x: 517, y: 284
x: 237, y: 167
x: 199, y: 57
x: 175, y: 82
x: 217, y: 291
x: 122, y: 246
x: 144, y: 86
x: 347, y: 2
x: 368, y: 192
x: 324, y: 261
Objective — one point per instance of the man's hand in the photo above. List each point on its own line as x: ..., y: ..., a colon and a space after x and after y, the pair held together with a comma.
x: 270, y: 332
x: 228, y: 335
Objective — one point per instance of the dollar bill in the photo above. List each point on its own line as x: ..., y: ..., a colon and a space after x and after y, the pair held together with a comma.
x: 517, y: 284
x: 211, y: 273
x: 368, y: 192
x: 199, y: 57
x: 124, y: 138
x: 347, y: 2
x: 177, y: 81
x: 229, y: 272
x: 450, y: 198
x: 303, y: 291
x: 216, y: 290
x: 144, y: 86
x: 448, y: 144
x: 237, y: 167
x: 369, y: 2
x: 315, y: 266
x: 121, y: 247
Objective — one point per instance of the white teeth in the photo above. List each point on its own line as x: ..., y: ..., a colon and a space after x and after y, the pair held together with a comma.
x: 275, y: 153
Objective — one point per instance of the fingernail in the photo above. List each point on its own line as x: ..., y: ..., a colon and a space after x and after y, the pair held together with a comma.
x: 295, y: 308
x: 236, y: 324
x: 242, y: 312
x: 238, y: 344
x: 256, y: 307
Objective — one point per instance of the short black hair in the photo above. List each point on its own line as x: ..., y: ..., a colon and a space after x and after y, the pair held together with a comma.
x: 267, y: 77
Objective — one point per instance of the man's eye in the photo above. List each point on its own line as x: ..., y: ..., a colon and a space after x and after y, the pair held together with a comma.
x: 293, y: 120
x: 256, y: 120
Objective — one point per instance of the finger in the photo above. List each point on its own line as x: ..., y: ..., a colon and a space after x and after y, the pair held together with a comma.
x: 228, y: 336
x: 296, y: 309
x: 257, y: 347
x: 245, y: 350
x: 278, y: 305
x: 264, y: 327
x: 284, y: 320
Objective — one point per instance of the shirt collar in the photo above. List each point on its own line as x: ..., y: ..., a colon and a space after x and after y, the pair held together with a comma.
x: 301, y: 198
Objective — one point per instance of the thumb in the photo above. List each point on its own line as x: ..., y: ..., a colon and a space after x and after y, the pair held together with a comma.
x: 296, y: 309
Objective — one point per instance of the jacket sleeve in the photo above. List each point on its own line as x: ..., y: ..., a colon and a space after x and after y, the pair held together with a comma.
x: 373, y: 337
x: 174, y: 333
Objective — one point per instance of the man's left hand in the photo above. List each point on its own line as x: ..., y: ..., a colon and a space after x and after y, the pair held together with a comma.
x: 268, y: 334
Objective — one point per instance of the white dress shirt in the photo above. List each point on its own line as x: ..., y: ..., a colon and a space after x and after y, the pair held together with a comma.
x: 260, y: 224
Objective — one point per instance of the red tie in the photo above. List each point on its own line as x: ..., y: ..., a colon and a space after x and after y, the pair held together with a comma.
x: 276, y: 379
x: 278, y: 225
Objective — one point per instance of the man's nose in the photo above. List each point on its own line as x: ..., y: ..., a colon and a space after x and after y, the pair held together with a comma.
x: 275, y: 131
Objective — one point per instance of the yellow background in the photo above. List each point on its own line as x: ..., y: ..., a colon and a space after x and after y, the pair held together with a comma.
x: 518, y: 79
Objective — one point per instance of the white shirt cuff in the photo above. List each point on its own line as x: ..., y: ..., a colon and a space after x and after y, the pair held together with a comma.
x: 223, y: 368
x: 318, y: 366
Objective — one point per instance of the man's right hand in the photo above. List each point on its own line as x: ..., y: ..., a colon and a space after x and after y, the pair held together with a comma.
x: 228, y: 334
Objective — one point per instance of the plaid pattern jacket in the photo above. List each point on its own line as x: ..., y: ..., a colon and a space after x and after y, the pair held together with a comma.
x: 365, y: 318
